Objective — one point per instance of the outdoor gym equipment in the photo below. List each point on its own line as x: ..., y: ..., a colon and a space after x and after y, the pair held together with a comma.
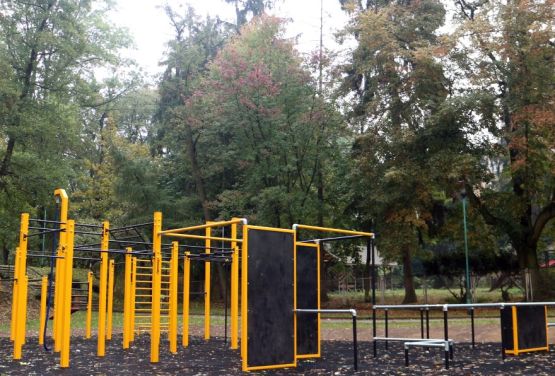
x: 279, y: 285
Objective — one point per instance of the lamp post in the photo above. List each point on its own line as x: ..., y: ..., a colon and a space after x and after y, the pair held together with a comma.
x: 467, y: 266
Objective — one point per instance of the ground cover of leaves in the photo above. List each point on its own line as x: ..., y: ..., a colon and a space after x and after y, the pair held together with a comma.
x: 214, y: 358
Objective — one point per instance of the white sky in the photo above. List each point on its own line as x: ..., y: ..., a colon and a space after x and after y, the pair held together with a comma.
x: 149, y: 26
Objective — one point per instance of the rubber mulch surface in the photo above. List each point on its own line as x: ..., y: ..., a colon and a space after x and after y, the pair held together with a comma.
x: 212, y: 358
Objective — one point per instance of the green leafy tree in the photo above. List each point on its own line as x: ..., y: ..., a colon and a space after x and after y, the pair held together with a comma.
x: 48, y: 53
x: 397, y: 85
x: 505, y: 52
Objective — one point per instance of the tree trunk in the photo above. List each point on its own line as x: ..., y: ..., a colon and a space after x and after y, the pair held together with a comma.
x: 201, y: 192
x: 5, y: 254
x: 408, y: 278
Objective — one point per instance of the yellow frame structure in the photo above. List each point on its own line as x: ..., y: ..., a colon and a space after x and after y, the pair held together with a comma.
x: 516, y: 350
x: 317, y: 247
x: 244, y: 300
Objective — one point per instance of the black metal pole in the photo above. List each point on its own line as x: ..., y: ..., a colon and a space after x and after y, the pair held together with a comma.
x: 446, y: 336
x: 225, y: 312
x: 427, y: 323
x: 374, y: 344
x: 386, y: 329
x: 472, y: 327
x: 421, y: 323
x: 355, y: 346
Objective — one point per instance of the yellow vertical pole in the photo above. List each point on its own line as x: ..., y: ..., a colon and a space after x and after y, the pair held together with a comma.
x: 104, y: 246
x: 244, y: 297
x: 65, y: 321
x: 234, y: 288
x: 208, y: 233
x: 14, y: 295
x: 295, y: 297
x: 156, y: 284
x: 127, y: 299
x: 173, y: 297
x: 89, y: 305
x: 20, y: 279
x: 110, y: 306
x: 61, y: 198
x: 186, y: 287
x: 42, y: 316
x: 132, y: 303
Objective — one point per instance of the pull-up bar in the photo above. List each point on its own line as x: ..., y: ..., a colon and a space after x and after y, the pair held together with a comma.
x: 204, y: 226
x: 297, y: 226
x: 202, y: 237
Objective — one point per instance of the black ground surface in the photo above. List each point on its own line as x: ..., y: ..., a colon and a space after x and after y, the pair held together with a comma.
x: 212, y: 358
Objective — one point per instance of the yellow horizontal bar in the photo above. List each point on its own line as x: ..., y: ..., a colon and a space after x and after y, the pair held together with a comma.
x: 202, y: 237
x: 258, y: 368
x: 274, y: 229
x: 144, y: 275
x: 336, y: 230
x: 308, y: 356
x: 314, y: 245
x: 200, y: 227
x: 143, y: 296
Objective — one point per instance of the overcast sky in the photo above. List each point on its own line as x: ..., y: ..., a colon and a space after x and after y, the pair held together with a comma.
x: 150, y: 28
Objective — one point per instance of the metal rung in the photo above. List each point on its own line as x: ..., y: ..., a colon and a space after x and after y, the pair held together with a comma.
x: 142, y: 296
x: 143, y: 288
x: 143, y: 274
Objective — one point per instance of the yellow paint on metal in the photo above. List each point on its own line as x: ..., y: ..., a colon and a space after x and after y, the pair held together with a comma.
x: 102, y: 296
x: 110, y: 306
x: 21, y: 279
x: 173, y: 297
x: 65, y: 321
x: 156, y: 279
x: 88, y: 329
x: 244, y: 297
x: 127, y: 299
x: 202, y: 237
x: 186, y: 287
x: 207, y: 276
x: 133, y: 297
x: 316, y: 246
x: 234, y: 287
x: 200, y: 227
x: 335, y: 230
x: 294, y: 297
x: 42, y: 316
x: 61, y: 197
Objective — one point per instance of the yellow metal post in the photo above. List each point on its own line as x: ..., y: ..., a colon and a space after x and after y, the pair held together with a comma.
x: 89, y: 305
x: 62, y: 199
x: 132, y: 303
x: 65, y: 321
x: 207, y: 243
x: 174, y: 268
x: 14, y: 295
x: 20, y: 279
x: 127, y: 299
x: 186, y: 287
x: 42, y: 316
x: 244, y: 297
x: 104, y: 246
x: 234, y: 288
x: 110, y: 307
x: 156, y: 285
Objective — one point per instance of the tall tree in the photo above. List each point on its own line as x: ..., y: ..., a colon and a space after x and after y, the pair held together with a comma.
x: 505, y: 51
x: 48, y: 51
x: 397, y: 85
